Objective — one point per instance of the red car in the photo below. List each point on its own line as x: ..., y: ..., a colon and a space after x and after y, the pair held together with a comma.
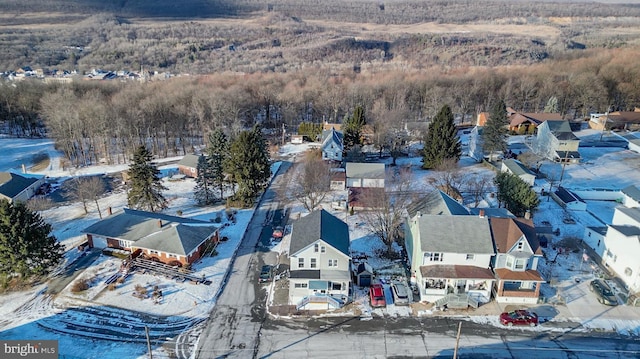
x: 376, y: 295
x: 519, y: 317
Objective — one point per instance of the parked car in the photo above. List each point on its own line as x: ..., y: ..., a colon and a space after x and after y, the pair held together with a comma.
x: 266, y: 274
x: 278, y: 233
x: 400, y: 293
x: 519, y: 317
x: 376, y: 295
x: 603, y: 291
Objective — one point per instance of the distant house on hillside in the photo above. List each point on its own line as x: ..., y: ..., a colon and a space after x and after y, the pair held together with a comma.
x: 556, y: 141
x: 17, y: 188
x: 188, y: 165
x: 168, y: 239
x: 516, y: 167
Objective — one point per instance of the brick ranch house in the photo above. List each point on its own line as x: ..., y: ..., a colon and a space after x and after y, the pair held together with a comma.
x: 168, y: 239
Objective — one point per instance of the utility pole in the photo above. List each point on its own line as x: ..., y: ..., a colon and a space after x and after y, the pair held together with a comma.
x: 455, y: 350
x: 146, y: 332
x: 283, y: 132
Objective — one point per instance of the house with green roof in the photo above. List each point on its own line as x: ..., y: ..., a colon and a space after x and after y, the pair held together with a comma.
x: 164, y: 238
x: 320, y: 262
x: 17, y: 188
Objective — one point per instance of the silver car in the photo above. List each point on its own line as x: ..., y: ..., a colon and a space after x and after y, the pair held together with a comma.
x: 400, y: 293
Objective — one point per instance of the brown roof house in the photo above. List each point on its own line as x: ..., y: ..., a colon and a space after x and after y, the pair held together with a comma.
x: 164, y: 238
x: 450, y: 258
x: 17, y: 188
x: 623, y: 120
x: 516, y: 261
x: 526, y: 123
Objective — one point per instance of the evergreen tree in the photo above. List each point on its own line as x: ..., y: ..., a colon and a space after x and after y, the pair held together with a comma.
x: 311, y: 130
x: 440, y: 142
x: 203, y: 192
x: 249, y: 165
x: 218, y: 152
x: 352, y: 128
x: 494, y: 135
x: 516, y: 195
x: 145, y: 190
x: 27, y: 247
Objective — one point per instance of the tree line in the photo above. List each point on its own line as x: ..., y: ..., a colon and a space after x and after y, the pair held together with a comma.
x: 105, y: 121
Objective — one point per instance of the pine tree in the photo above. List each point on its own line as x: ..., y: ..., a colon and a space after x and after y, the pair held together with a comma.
x: 203, y: 192
x: 516, y: 195
x: 494, y: 135
x: 27, y: 247
x: 353, y: 128
x: 218, y: 151
x: 249, y: 165
x: 440, y: 142
x: 145, y: 187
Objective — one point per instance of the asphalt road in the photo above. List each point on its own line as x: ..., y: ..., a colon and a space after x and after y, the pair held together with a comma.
x: 235, y: 323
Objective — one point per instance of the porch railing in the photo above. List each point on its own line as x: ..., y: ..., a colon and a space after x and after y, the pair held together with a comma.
x: 331, y: 301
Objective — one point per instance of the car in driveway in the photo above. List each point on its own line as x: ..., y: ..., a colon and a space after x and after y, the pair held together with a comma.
x: 376, y: 295
x: 266, y: 274
x: 603, y: 291
x: 400, y: 293
x: 519, y: 317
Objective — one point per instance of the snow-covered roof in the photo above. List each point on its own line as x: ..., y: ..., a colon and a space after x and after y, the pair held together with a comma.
x: 516, y: 167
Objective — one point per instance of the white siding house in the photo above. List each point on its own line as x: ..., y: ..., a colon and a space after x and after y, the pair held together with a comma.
x: 556, y: 141
x: 450, y: 258
x: 320, y: 263
x: 367, y: 175
x: 622, y: 246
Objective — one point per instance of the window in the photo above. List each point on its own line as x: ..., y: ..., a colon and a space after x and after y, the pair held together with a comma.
x: 300, y: 262
x: 598, y: 243
x: 123, y: 244
x: 520, y: 245
x: 471, y: 257
x: 509, y: 262
x: 333, y: 262
x: 323, y: 249
x: 300, y: 285
x: 313, y: 263
x: 172, y: 255
x: 153, y: 252
x: 336, y: 286
x: 520, y: 262
x: 435, y: 257
x: 315, y: 247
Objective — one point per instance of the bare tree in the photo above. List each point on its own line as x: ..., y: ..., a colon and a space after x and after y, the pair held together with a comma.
x: 448, y: 178
x: 531, y: 160
x: 313, y: 182
x: 477, y: 186
x: 385, y: 207
x: 86, y: 189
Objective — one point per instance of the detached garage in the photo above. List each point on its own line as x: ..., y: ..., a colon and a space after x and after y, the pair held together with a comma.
x: 364, y: 275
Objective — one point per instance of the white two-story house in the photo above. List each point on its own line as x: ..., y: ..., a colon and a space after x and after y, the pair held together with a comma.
x: 320, y: 262
x: 622, y: 246
x: 556, y: 141
x: 516, y: 260
x: 450, y: 258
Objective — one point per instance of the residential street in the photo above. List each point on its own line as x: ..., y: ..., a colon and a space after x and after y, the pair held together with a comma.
x: 235, y: 323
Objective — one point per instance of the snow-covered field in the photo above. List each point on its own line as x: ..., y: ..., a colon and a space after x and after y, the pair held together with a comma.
x: 603, y: 168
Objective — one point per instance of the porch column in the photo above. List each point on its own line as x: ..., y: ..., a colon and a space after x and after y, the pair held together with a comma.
x: 538, y: 285
x: 500, y: 287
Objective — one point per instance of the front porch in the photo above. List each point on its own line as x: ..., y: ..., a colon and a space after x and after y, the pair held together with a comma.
x: 439, y: 281
x: 518, y: 287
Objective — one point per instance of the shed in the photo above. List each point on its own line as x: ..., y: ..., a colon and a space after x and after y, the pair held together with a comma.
x: 364, y: 274
x: 569, y: 200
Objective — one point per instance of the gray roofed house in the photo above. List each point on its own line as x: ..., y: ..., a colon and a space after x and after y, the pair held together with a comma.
x: 568, y: 199
x: 437, y: 203
x: 556, y: 141
x: 455, y: 234
x: 14, y: 187
x: 320, y: 262
x: 319, y: 225
x: 188, y: 165
x: 168, y: 238
x: 332, y: 145
x: 631, y: 196
x: 365, y: 174
x: 517, y: 168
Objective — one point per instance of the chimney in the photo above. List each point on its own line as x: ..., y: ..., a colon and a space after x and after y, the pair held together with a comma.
x: 109, y: 211
x: 418, y: 214
x: 481, y: 214
x: 159, y: 223
x: 527, y: 215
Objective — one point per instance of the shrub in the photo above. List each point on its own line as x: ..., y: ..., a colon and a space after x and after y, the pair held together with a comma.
x: 80, y: 285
